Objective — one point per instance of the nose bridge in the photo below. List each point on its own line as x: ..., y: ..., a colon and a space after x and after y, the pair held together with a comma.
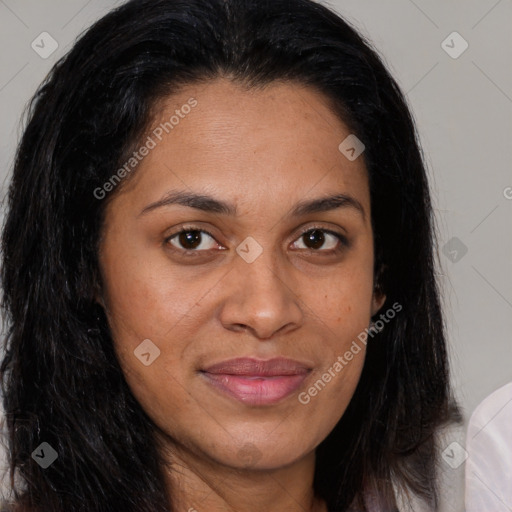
x: 262, y: 275
x: 262, y: 297
x: 261, y: 269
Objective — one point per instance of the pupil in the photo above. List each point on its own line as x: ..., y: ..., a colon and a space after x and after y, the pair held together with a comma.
x: 310, y: 239
x: 190, y: 239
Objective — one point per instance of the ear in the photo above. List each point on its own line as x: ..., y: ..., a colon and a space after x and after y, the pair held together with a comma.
x: 99, y: 300
x: 98, y: 294
x: 378, y: 300
x: 379, y: 297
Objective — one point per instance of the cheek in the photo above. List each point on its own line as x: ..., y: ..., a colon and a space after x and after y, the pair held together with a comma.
x: 148, y: 299
x: 343, y: 309
x: 145, y: 304
x: 344, y: 302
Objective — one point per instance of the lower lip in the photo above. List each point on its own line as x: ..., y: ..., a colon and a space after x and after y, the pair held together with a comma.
x: 256, y: 390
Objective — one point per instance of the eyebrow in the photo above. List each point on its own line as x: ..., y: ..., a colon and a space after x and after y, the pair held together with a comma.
x: 210, y: 204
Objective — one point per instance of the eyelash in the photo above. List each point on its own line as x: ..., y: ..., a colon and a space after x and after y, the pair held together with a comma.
x: 190, y: 252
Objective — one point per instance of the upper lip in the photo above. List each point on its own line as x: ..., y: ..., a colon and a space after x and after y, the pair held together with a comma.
x: 258, y: 367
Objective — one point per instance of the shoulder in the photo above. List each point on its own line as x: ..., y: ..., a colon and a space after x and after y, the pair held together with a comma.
x: 488, y: 436
x: 495, y: 403
x: 489, y: 464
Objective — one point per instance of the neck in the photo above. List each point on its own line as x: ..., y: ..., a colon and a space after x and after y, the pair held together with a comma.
x: 199, y: 484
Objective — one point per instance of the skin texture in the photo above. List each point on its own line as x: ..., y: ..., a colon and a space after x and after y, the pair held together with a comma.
x: 264, y: 151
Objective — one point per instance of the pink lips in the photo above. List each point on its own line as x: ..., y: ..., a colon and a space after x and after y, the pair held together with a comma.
x: 257, y: 382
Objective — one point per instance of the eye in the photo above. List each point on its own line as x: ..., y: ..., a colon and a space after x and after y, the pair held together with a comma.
x: 316, y: 238
x: 192, y: 239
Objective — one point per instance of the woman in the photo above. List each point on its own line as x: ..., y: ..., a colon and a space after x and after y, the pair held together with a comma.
x: 218, y: 272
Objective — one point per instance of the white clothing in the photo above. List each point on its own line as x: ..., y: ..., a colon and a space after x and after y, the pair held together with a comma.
x: 489, y: 445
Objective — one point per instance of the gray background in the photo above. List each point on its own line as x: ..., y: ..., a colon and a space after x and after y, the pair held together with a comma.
x: 463, y: 109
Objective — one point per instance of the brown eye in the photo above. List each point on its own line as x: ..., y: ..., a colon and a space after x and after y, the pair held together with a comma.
x: 314, y: 239
x: 195, y: 240
x: 322, y: 240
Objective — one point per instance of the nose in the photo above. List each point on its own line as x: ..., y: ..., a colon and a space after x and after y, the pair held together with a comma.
x: 261, y: 297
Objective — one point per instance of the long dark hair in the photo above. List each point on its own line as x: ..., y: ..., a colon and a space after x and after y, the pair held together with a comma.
x: 62, y: 383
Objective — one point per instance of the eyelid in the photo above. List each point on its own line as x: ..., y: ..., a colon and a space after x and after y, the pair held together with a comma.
x: 322, y: 228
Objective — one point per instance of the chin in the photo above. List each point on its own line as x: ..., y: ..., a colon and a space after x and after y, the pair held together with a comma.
x: 266, y: 455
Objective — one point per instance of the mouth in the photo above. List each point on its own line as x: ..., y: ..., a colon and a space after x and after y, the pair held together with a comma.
x: 257, y: 382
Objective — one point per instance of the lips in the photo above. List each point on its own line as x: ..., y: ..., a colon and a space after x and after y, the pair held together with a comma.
x: 258, y: 368
x: 256, y: 382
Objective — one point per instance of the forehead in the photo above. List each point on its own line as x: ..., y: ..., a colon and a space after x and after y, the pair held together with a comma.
x: 270, y: 144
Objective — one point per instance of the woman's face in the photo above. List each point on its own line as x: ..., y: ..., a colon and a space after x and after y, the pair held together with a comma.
x: 227, y: 346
